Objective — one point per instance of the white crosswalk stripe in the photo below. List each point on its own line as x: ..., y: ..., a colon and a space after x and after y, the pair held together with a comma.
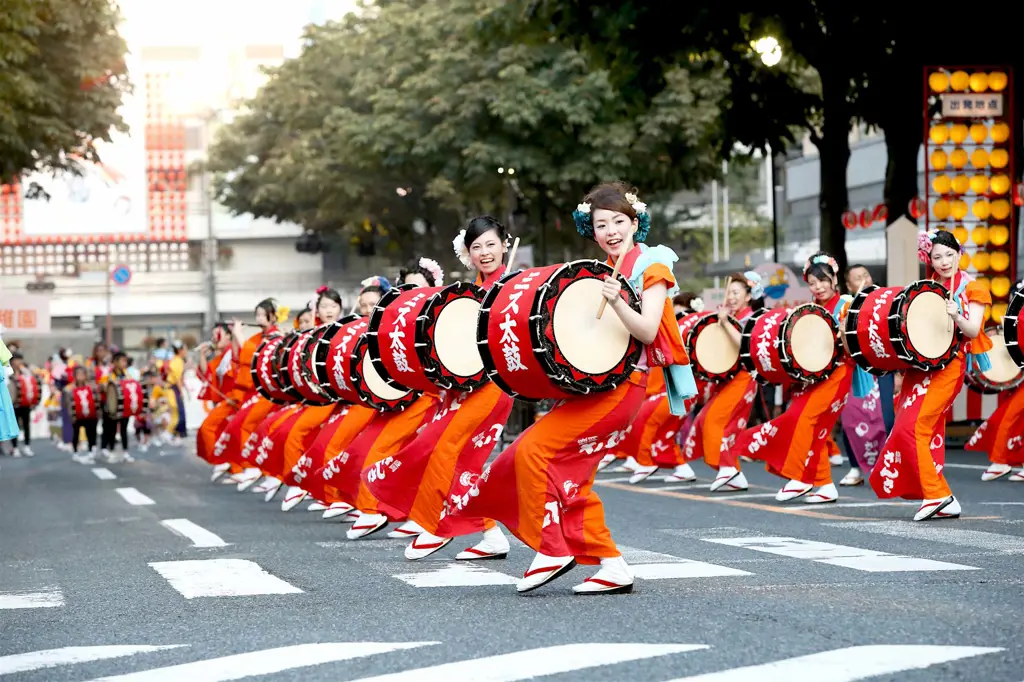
x: 221, y: 578
x: 134, y: 497
x: 47, y: 599
x: 850, y: 664
x: 199, y: 536
x: 839, y: 555
x: 456, y: 575
x: 648, y: 565
x: 104, y: 474
x: 1011, y: 544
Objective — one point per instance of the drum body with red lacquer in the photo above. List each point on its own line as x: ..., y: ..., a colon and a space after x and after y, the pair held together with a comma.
x: 334, y: 359
x: 714, y: 356
x: 392, y: 338
x: 893, y: 329
x: 300, y: 368
x: 264, y: 371
x: 281, y: 366
x: 125, y: 398
x: 28, y: 390
x: 83, y: 402
x: 540, y: 338
x: 1004, y: 375
x: 1013, y: 330
x: 798, y: 344
x: 446, y: 338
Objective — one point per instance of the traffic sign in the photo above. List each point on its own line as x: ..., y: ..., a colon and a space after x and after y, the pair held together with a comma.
x: 121, y: 274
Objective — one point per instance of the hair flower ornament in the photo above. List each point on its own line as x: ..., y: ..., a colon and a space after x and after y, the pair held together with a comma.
x: 925, y: 241
x: 697, y: 305
x: 754, y: 282
x: 585, y: 223
x: 821, y: 259
x: 282, y: 314
x: 459, y: 244
x: 376, y: 281
x: 434, y: 268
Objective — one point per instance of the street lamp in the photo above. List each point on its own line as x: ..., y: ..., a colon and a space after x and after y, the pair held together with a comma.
x: 768, y: 49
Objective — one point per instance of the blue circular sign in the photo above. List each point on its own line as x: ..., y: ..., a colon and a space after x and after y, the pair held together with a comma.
x: 121, y: 274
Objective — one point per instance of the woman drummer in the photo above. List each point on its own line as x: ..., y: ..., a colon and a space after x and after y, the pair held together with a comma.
x: 442, y: 462
x: 727, y: 411
x: 912, y: 460
x: 541, y: 487
x: 1002, y: 434
x: 218, y: 380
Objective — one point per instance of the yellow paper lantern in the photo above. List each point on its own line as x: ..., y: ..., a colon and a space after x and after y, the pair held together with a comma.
x: 1000, y: 184
x: 939, y: 159
x: 1000, y: 132
x: 940, y: 209
x: 958, y: 209
x: 979, y: 184
x: 996, y: 81
x: 1000, y: 286
x: 959, y: 80
x: 979, y: 235
x: 998, y: 312
x: 999, y: 261
x: 961, y: 184
x: 979, y: 158
x: 980, y: 261
x: 978, y: 82
x: 965, y: 261
x: 958, y: 133
x: 960, y: 232
x: 941, y: 184
x: 981, y: 209
x: 958, y: 158
x: 988, y: 313
x: 998, y: 158
x: 938, y: 81
x: 998, y: 235
x: 979, y: 132
x: 1000, y: 209
x: 938, y: 134
x: 984, y: 283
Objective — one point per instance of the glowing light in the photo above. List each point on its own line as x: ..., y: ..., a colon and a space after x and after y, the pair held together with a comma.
x: 768, y: 49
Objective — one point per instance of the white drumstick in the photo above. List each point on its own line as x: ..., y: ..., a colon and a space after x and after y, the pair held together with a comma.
x: 949, y: 320
x: 728, y: 281
x: 615, y: 274
x: 512, y: 254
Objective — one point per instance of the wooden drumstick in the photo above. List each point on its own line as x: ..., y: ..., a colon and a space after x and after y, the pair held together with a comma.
x: 728, y: 282
x: 512, y: 254
x: 615, y: 274
x: 949, y: 319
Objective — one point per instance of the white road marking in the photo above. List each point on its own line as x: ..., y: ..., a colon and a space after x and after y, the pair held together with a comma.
x: 52, y: 598
x: 1000, y: 504
x: 845, y: 665
x: 977, y: 467
x: 456, y: 575
x: 199, y: 536
x: 839, y: 555
x: 134, y: 497
x: 69, y: 655
x: 526, y: 665
x: 221, y: 578
x: 649, y: 565
x: 1010, y: 544
x: 104, y: 474
x: 874, y: 504
x: 265, y: 662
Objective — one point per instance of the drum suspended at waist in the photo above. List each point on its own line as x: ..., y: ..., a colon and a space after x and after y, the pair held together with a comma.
x: 540, y: 338
x: 800, y: 344
x: 894, y: 329
x: 125, y: 398
x: 264, y: 371
x: 1013, y: 329
x: 393, y: 339
x: 1004, y: 375
x: 714, y: 355
x: 446, y: 338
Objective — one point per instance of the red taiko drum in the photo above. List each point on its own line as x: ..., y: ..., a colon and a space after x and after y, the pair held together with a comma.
x: 125, y: 398
x: 334, y: 359
x: 446, y: 338
x: 264, y: 371
x: 539, y: 336
x: 894, y: 329
x: 299, y: 369
x: 1004, y: 375
x: 713, y: 355
x: 798, y: 344
x: 392, y: 339
x: 1013, y: 330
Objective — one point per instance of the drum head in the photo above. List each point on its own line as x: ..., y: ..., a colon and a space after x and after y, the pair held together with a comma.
x: 454, y: 340
x: 814, y: 348
x: 576, y: 328
x: 376, y: 384
x: 1004, y: 369
x: 928, y: 325
x: 716, y: 350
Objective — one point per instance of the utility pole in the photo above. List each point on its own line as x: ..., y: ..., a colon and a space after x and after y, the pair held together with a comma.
x: 109, y: 336
x: 210, y: 243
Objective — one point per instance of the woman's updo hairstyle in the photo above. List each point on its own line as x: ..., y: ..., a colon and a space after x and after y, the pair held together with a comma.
x: 480, y: 226
x: 328, y: 293
x: 823, y: 266
x: 751, y: 281
x: 269, y: 307
x: 613, y: 196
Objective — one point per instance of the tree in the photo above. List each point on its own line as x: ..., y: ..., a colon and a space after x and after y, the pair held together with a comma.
x: 62, y: 78
x: 414, y: 95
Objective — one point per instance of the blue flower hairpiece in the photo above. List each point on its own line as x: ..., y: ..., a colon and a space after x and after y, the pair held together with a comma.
x: 585, y: 225
x: 377, y: 281
x: 754, y: 282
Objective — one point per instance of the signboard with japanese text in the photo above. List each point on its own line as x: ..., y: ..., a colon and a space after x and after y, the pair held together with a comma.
x: 968, y: 105
x: 24, y: 313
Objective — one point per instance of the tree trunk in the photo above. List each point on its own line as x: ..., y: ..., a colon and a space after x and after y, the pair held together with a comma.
x: 834, y: 152
x: 902, y: 143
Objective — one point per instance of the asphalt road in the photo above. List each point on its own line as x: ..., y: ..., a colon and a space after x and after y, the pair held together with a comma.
x: 137, y: 584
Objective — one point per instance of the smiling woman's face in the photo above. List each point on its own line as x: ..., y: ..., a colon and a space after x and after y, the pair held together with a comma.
x: 486, y: 252
x: 613, y: 231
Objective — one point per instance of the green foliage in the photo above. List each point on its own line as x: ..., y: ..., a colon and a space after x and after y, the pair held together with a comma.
x: 416, y: 95
x: 62, y: 78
